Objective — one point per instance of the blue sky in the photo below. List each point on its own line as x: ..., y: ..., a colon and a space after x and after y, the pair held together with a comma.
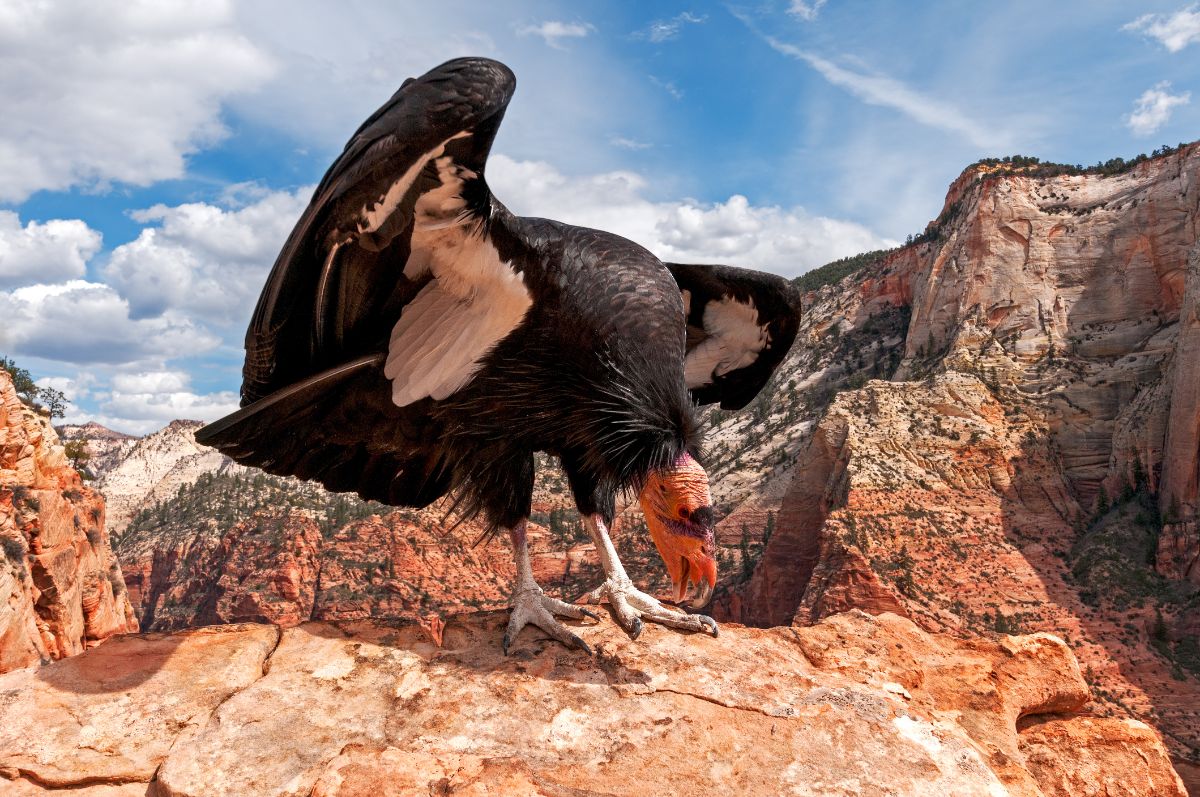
x: 155, y: 154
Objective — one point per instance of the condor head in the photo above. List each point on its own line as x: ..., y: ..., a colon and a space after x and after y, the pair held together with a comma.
x: 679, y: 514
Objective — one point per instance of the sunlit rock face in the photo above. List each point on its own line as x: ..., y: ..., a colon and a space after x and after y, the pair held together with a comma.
x: 1021, y: 453
x: 61, y: 589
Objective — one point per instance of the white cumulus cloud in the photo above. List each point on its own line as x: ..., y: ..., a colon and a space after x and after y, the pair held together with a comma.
x: 202, y: 259
x: 43, y: 252
x: 1153, y: 109
x: 787, y: 241
x: 144, y: 401
x: 553, y: 32
x: 1173, y: 31
x: 90, y: 323
x: 100, y: 91
x: 151, y: 382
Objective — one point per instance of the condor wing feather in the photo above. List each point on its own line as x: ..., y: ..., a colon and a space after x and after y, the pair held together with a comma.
x: 388, y: 291
x: 340, y: 281
x: 740, y: 325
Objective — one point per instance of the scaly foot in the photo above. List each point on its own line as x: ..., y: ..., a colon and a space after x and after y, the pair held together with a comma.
x: 531, y: 606
x: 631, y: 606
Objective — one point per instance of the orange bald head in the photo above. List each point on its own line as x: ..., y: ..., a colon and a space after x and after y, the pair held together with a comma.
x: 679, y: 514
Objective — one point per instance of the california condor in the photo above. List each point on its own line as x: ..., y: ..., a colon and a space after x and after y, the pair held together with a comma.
x: 415, y: 339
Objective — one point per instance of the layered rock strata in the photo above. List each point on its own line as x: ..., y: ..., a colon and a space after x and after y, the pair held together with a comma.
x: 1032, y: 464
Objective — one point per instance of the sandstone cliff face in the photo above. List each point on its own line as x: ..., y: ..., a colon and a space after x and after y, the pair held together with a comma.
x: 281, y: 566
x: 1033, y: 463
x: 61, y: 589
x: 1179, y: 546
x: 853, y: 705
x: 1075, y: 290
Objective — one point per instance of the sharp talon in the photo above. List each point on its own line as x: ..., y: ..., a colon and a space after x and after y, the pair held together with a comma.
x: 635, y: 630
x: 579, y: 643
x: 592, y: 615
x: 632, y: 606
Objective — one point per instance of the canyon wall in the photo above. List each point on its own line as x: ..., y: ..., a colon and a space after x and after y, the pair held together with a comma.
x: 1032, y: 462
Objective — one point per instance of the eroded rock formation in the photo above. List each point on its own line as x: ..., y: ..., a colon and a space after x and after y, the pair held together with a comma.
x: 152, y: 468
x: 1033, y: 462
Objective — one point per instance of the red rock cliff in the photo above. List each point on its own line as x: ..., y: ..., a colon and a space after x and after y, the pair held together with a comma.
x: 61, y: 589
x: 855, y: 705
x: 1033, y: 461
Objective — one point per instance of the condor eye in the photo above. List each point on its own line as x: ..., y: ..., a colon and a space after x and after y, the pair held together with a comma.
x: 684, y: 514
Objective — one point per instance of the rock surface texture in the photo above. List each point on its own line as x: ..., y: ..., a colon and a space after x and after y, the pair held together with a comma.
x: 853, y: 705
x: 61, y: 589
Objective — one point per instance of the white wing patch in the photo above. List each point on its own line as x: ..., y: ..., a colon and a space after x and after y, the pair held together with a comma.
x: 374, y: 215
x: 474, y: 301
x: 443, y: 206
x: 735, y: 339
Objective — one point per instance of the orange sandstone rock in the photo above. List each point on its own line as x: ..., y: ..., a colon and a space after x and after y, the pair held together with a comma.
x: 61, y: 589
x: 853, y: 705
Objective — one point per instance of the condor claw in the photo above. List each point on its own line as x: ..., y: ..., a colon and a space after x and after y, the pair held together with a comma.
x: 531, y: 607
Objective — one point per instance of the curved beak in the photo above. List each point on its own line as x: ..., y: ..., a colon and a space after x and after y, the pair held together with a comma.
x: 687, y: 548
x: 702, y: 572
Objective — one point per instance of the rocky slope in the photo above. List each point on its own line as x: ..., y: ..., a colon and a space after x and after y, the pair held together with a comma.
x: 1032, y: 464
x: 136, y: 473
x: 853, y: 705
x: 61, y: 589
x: 105, y: 448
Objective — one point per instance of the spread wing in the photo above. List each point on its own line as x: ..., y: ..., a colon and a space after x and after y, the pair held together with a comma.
x: 390, y: 290
x: 400, y: 222
x: 740, y: 325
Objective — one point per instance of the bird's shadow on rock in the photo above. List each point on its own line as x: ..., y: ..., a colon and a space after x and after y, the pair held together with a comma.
x: 121, y: 664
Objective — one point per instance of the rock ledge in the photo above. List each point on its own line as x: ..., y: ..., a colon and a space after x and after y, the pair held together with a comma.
x: 853, y: 705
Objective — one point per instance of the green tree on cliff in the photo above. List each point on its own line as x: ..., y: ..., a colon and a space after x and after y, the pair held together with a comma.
x: 53, y: 400
x: 22, y: 382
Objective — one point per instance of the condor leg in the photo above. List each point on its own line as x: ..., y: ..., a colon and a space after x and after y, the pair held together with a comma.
x: 530, y: 606
x: 630, y: 604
